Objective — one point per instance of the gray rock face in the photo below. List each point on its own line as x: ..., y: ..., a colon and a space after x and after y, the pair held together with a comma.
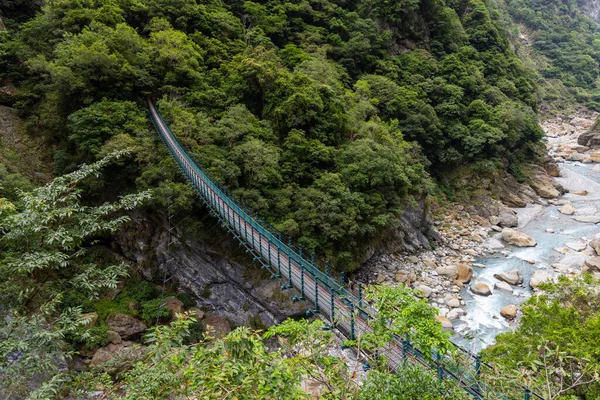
x: 220, y: 286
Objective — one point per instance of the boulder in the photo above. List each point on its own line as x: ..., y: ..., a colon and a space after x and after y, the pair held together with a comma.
x: 567, y: 209
x: 593, y: 264
x: 590, y: 219
x: 513, y: 200
x: 453, y: 303
x: 539, y: 277
x: 446, y: 323
x: 450, y: 271
x: 196, y: 313
x: 481, y: 289
x: 595, y: 244
x: 577, y: 246
x: 465, y: 273
x: 121, y: 350
x: 582, y: 122
x: 503, y: 286
x: 517, y: 238
x: 114, y: 337
x: 401, y: 277
x: 452, y: 315
x: 217, y: 327
x: 542, y: 184
x: 508, y: 218
x: 494, y: 220
x: 552, y: 169
x: 425, y: 291
x: 510, y: 311
x: 581, y: 193
x: 92, y: 317
x: 173, y: 304
x: 590, y: 139
x: 430, y: 263
x: 127, y: 326
x: 513, y: 277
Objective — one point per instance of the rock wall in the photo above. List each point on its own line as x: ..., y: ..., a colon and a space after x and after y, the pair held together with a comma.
x: 591, y: 8
x: 201, y: 267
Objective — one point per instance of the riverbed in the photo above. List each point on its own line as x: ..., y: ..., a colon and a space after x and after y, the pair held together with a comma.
x: 552, y: 231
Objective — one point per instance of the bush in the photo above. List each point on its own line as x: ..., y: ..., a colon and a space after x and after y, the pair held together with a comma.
x: 139, y: 290
x: 196, y: 333
x: 187, y: 299
x: 152, y: 309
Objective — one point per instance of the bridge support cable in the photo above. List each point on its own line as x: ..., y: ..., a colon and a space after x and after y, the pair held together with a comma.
x: 346, y: 311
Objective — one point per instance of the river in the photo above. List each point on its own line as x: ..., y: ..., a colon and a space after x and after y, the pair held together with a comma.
x: 483, y: 321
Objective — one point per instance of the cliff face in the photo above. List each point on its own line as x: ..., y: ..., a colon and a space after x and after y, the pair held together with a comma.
x: 591, y: 8
x: 241, y: 293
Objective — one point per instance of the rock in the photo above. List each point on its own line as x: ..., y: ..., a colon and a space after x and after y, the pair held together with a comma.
x: 425, y: 291
x: 503, y: 286
x: 577, y: 246
x: 510, y: 311
x: 542, y: 184
x: 581, y: 193
x: 590, y: 139
x: 591, y: 219
x: 508, y: 218
x: 517, y: 238
x: 593, y: 264
x: 481, y: 289
x: 512, y: 200
x: 413, y: 259
x: 412, y: 277
x: 174, y: 304
x: 539, y: 277
x: 452, y: 315
x: 567, y: 209
x: 127, y: 326
x: 401, y: 277
x: 430, y: 263
x: 458, y: 283
x: 552, y: 169
x: 196, y: 313
x: 513, y: 277
x: 446, y: 323
x: 380, y: 278
x: 582, y: 122
x: 465, y: 273
x: 92, y: 317
x: 595, y: 244
x: 494, y: 220
x: 550, y: 230
x: 114, y: 337
x: 450, y: 271
x: 121, y: 350
x: 453, y: 303
x: 561, y: 267
x: 217, y: 327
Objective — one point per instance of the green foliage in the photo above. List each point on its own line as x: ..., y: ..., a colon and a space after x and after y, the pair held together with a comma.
x: 407, y: 383
x: 43, y: 247
x: 153, y: 310
x: 187, y: 299
x: 555, y: 347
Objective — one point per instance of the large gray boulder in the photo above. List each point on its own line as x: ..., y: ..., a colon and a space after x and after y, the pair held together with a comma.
x: 513, y: 277
x: 590, y: 139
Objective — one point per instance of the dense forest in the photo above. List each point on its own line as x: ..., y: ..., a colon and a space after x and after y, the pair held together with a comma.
x: 328, y: 118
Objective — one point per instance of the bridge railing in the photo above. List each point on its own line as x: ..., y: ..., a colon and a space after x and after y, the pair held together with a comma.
x: 465, y: 368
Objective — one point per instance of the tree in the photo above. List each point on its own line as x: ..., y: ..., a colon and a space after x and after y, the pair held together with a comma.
x: 555, y: 348
x: 44, y: 246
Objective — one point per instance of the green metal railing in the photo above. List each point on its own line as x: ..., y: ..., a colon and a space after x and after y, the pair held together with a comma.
x: 331, y: 297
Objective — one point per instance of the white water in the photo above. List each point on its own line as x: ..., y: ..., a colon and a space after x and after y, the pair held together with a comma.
x: 483, y: 313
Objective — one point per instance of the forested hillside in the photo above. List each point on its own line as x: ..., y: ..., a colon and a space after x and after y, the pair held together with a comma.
x: 325, y: 117
x: 566, y: 45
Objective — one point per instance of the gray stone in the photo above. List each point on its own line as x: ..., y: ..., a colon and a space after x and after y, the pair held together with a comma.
x: 114, y: 337
x: 481, y: 289
x: 452, y: 315
x: 450, y: 271
x: 127, y: 326
x: 577, y: 246
x: 590, y: 219
x: 503, y: 286
x: 453, y: 303
x: 508, y: 218
x: 513, y: 277
x: 425, y: 291
x: 593, y: 264
x: 595, y: 244
x: 567, y: 209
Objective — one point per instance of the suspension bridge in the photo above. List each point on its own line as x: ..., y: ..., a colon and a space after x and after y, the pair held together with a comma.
x: 327, y: 295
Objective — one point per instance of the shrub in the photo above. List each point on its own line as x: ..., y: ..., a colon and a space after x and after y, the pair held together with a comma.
x: 152, y: 309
